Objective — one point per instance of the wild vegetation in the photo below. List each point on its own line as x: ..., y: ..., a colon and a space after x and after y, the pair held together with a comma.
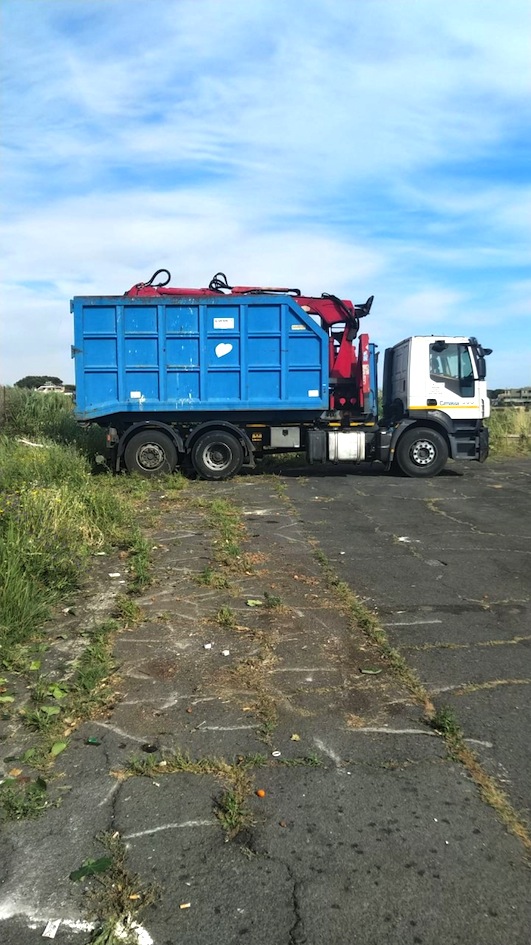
x: 55, y: 513
x: 510, y: 431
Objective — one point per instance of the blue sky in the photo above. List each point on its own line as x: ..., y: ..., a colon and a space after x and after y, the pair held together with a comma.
x: 356, y: 147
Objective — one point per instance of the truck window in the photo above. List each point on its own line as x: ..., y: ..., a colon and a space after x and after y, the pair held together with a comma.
x: 453, y: 367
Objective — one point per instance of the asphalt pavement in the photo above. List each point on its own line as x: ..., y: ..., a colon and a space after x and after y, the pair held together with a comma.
x: 364, y: 829
x: 446, y: 564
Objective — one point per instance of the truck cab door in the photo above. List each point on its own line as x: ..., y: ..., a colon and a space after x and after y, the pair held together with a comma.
x: 453, y: 381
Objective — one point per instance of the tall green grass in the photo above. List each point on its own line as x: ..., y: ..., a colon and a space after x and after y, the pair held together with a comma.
x: 53, y: 515
x: 510, y: 431
x: 33, y: 415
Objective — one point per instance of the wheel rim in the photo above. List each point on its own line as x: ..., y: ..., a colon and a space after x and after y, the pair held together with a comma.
x: 151, y: 456
x: 217, y: 456
x: 423, y: 452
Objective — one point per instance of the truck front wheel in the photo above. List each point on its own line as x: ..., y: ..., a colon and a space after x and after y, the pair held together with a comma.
x: 150, y: 453
x: 421, y: 452
x: 217, y: 455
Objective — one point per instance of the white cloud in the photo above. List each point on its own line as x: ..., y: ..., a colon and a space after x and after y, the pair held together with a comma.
x: 302, y: 143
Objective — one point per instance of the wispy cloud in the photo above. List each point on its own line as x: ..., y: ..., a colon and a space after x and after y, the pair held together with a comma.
x: 349, y: 146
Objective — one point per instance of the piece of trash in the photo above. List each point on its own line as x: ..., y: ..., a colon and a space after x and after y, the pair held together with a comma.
x: 282, y: 823
x: 295, y: 738
x: 207, y: 646
x: 52, y: 927
x: 93, y: 740
x: 149, y: 748
x: 114, y: 574
x: 185, y: 905
x: 260, y: 792
x: 342, y: 552
x: 254, y: 602
x: 135, y: 896
x: 101, y: 554
x: 370, y: 672
x: 225, y: 652
x: 404, y: 538
x: 276, y: 754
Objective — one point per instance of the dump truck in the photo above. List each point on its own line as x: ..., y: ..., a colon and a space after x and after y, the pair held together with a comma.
x: 212, y: 379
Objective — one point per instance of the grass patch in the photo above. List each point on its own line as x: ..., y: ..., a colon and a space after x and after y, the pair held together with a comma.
x: 306, y: 761
x: 509, y: 431
x: 116, y: 897
x: 210, y: 577
x: 231, y: 808
x: 89, y: 691
x: 224, y: 520
x: 226, y: 618
x: 272, y: 601
x: 127, y: 610
x: 444, y: 721
x: 53, y: 515
x: 48, y: 417
x: 139, y: 562
x: 22, y: 799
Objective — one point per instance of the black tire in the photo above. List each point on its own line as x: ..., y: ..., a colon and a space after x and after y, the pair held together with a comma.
x: 421, y: 452
x: 150, y: 453
x: 217, y: 455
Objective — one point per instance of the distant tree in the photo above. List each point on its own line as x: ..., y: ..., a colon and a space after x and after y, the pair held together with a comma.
x: 37, y: 380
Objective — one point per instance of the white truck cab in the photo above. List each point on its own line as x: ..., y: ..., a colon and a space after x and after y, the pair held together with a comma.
x: 435, y: 401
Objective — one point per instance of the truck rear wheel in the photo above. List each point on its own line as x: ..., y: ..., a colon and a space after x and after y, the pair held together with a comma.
x: 421, y: 452
x: 217, y: 455
x: 150, y: 453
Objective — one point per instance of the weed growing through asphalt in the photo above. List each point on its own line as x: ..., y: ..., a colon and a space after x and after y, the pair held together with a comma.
x: 23, y: 799
x: 127, y: 610
x: 139, y: 562
x: 230, y: 806
x: 306, y: 761
x: 272, y: 600
x: 231, y: 809
x: 445, y: 722
x: 226, y: 618
x: 116, y: 897
x: 210, y: 577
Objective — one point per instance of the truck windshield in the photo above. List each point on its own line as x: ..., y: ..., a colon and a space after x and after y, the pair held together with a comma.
x: 453, y: 366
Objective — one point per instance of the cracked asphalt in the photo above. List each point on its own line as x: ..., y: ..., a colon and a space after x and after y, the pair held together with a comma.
x: 446, y: 563
x: 382, y: 837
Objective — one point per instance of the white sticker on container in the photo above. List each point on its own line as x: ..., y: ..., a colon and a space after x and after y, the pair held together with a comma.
x: 298, y: 327
x: 223, y: 323
x: 135, y: 394
x: 313, y: 393
x: 222, y: 349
